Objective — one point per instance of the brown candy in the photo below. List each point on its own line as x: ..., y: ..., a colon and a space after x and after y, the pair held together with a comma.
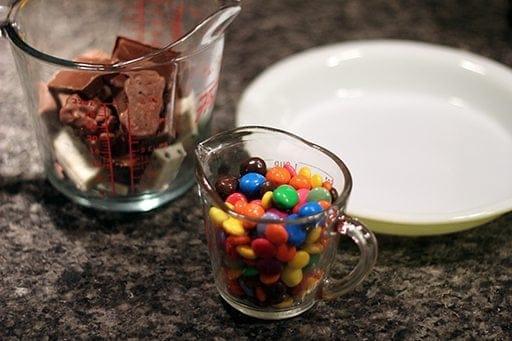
x: 225, y: 185
x: 253, y: 165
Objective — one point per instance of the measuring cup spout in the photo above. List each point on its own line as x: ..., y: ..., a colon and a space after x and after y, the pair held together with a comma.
x: 207, y: 31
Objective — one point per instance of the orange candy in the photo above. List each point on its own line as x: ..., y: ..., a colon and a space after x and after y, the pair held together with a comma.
x: 252, y: 210
x: 276, y: 233
x: 285, y: 253
x: 269, y: 279
x: 278, y: 175
x: 327, y: 185
x: 325, y: 204
x: 238, y: 240
x: 300, y: 181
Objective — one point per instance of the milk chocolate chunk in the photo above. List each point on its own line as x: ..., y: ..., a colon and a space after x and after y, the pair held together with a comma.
x: 87, y: 83
x: 144, y: 91
x: 87, y: 115
x: 127, y: 49
x: 94, y: 57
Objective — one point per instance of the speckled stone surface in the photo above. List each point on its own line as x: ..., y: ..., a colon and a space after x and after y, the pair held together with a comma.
x: 68, y: 272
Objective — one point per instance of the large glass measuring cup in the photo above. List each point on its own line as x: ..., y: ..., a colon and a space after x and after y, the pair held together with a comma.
x: 120, y: 92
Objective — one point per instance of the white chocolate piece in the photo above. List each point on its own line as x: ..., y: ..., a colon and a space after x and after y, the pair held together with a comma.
x: 75, y: 159
x: 163, y: 167
x: 185, y: 117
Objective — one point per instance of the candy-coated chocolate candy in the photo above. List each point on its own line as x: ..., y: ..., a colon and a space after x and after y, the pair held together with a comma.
x: 261, y: 227
x: 260, y: 294
x: 276, y: 233
x: 232, y: 273
x: 233, y: 226
x: 234, y: 288
x: 217, y: 216
x: 266, y: 200
x: 290, y: 169
x: 253, y: 164
x: 276, y: 292
x: 285, y: 252
x: 278, y: 175
x: 327, y: 185
x: 286, y: 303
x: 314, y: 248
x: 262, y: 247
x: 299, y: 261
x: 250, y: 184
x: 267, y: 186
x: 280, y: 214
x: 325, y: 204
x: 239, y: 206
x: 291, y: 276
x: 313, y: 235
x: 316, y: 180
x: 306, y: 171
x: 225, y: 185
x: 250, y: 271
x: 309, y: 209
x: 269, y: 266
x: 238, y: 240
x: 253, y: 211
x: 319, y: 193
x: 285, y: 197
x: 269, y: 279
x: 300, y: 181
x: 296, y: 234
x: 246, y: 251
x: 248, y: 285
x: 234, y: 197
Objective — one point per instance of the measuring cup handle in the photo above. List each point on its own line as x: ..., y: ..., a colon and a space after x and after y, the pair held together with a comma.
x: 367, y: 244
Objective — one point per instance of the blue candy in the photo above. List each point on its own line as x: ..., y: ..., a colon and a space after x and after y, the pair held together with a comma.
x: 296, y: 233
x: 309, y: 209
x: 250, y: 183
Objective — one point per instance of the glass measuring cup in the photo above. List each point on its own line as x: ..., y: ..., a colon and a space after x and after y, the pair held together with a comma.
x: 120, y: 92
x: 257, y: 273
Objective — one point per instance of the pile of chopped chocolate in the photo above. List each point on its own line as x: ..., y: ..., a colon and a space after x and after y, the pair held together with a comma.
x: 119, y: 132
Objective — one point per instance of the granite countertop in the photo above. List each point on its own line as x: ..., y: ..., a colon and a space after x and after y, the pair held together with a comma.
x: 67, y: 272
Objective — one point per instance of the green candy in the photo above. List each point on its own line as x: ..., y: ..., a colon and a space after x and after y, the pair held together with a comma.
x: 285, y: 197
x: 319, y: 193
x: 250, y: 271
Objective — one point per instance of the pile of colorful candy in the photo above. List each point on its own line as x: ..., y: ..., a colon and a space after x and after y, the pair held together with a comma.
x: 271, y: 264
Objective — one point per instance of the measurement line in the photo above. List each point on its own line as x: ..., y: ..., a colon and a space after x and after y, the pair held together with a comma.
x: 130, y: 151
x: 109, y: 153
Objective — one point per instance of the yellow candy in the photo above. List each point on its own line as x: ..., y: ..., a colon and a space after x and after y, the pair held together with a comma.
x: 217, y: 216
x: 313, y: 248
x: 233, y: 226
x: 313, y: 235
x: 300, y: 260
x: 305, y: 171
x: 230, y: 205
x: 266, y: 200
x: 316, y: 180
x: 285, y: 304
x: 291, y: 277
x: 246, y: 251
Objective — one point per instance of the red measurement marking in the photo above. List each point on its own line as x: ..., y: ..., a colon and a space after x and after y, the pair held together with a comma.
x: 176, y: 28
x: 206, y: 100
x: 140, y: 18
x: 130, y: 152
x: 109, y: 152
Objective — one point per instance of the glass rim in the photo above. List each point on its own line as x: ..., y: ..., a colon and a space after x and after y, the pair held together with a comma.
x: 204, y: 183
x: 9, y: 30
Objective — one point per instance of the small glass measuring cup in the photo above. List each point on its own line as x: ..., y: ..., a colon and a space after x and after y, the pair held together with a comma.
x: 120, y: 92
x: 264, y: 276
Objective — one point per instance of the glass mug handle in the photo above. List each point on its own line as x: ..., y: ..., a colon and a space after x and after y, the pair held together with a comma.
x: 367, y: 244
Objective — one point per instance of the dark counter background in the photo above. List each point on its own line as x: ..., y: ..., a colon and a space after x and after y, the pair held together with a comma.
x: 68, y: 272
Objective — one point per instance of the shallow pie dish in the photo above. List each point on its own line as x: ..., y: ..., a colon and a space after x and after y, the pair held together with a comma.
x: 426, y: 130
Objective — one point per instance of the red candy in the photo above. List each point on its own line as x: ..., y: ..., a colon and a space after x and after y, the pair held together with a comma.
x: 234, y: 197
x: 262, y: 247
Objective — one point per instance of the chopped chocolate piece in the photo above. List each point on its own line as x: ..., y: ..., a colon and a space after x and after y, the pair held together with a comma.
x: 48, y: 109
x: 144, y: 90
x: 164, y: 166
x: 118, y: 80
x: 86, y: 115
x: 87, y: 83
x: 127, y: 49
